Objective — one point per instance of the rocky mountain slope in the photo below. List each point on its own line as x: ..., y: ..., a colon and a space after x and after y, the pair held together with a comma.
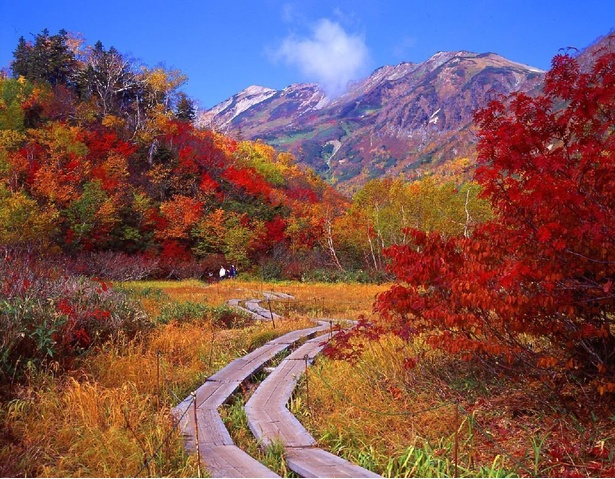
x: 401, y: 120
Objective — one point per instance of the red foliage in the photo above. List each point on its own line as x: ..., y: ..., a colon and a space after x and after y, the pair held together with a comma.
x: 208, y: 184
x: 248, y: 179
x: 101, y: 142
x: 174, y: 250
x: 276, y: 230
x: 544, y: 268
x: 302, y: 194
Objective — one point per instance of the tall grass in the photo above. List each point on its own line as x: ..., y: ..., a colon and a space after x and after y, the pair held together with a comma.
x: 445, y: 417
x: 103, y: 419
x: 382, y: 416
x: 109, y: 410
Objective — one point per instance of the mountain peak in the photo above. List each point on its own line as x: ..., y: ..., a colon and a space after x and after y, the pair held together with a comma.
x: 220, y: 116
x: 401, y: 119
x: 257, y: 90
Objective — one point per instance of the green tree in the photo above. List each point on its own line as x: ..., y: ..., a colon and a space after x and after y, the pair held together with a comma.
x: 91, y: 211
x: 237, y: 241
x: 48, y: 60
x: 22, y: 222
x: 185, y: 109
x: 12, y: 93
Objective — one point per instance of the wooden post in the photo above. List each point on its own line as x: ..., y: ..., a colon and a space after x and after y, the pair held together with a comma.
x: 307, y: 381
x: 158, y: 388
x: 270, y: 312
x: 456, y: 447
x: 196, y: 435
x: 211, y: 346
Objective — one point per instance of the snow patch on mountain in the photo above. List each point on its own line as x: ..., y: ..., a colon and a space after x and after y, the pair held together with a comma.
x: 221, y: 115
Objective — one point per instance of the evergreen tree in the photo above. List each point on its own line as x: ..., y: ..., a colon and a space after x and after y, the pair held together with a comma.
x: 47, y: 60
x: 185, y: 110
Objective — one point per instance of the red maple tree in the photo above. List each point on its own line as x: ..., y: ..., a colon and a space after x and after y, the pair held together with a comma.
x: 536, y: 283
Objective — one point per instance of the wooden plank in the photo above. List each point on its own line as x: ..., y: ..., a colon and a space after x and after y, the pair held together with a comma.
x: 295, y: 336
x: 270, y: 420
x: 310, y: 462
x: 230, y: 461
x: 254, y: 306
x: 212, y: 431
x: 215, y: 393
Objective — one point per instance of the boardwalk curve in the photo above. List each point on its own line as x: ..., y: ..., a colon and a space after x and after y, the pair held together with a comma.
x: 270, y: 421
x: 268, y: 418
x: 255, y: 310
x: 219, y: 454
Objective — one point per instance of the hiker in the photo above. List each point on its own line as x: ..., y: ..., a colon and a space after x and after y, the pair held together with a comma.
x: 233, y: 272
x: 222, y: 273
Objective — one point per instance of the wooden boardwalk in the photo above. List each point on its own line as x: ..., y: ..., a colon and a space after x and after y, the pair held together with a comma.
x: 268, y: 417
x: 270, y: 421
x: 218, y: 452
x: 254, y: 309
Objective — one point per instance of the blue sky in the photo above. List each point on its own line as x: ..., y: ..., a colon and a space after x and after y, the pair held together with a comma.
x: 225, y: 46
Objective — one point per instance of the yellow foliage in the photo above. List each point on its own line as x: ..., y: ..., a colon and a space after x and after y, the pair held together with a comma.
x: 112, y: 121
x: 22, y: 221
x: 11, y: 139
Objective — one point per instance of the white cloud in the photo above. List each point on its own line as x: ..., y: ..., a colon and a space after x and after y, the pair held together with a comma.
x: 330, y: 57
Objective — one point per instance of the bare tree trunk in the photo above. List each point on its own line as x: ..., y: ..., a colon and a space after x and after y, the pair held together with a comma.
x: 371, y: 249
x: 152, y: 149
x: 466, y: 227
x: 330, y: 247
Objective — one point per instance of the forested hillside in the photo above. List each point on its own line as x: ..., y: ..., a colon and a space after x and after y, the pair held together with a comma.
x: 98, y: 153
x: 100, y: 160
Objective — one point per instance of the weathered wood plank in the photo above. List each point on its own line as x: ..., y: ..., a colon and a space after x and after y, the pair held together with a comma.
x: 270, y: 420
x: 312, y: 462
x: 212, y: 431
x: 230, y: 461
x: 264, y: 313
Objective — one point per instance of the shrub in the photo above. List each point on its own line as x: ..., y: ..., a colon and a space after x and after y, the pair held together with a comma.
x: 114, y: 265
x: 46, y: 314
x: 533, y: 285
x: 189, y: 312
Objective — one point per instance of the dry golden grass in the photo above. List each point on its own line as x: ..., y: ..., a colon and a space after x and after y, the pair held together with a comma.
x: 112, y: 410
x: 323, y: 300
x: 402, y: 422
x: 367, y: 401
x: 311, y: 300
x: 78, y: 427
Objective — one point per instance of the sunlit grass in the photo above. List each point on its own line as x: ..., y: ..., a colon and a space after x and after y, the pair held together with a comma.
x: 111, y: 412
x: 382, y: 416
x: 313, y: 300
x: 404, y: 422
